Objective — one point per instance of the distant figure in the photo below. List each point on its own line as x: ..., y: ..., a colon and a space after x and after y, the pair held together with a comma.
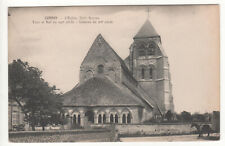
x: 201, y: 129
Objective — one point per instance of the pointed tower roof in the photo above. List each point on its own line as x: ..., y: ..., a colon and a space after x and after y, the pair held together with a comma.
x: 147, y: 30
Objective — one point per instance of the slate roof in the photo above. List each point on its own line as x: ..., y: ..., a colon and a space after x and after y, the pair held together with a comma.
x: 100, y: 91
x: 147, y: 30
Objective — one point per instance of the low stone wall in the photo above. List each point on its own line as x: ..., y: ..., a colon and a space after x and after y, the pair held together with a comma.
x: 157, y: 129
x: 94, y: 135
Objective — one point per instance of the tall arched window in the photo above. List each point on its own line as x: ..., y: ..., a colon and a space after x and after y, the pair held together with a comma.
x: 151, y: 73
x: 74, y: 119
x: 151, y: 49
x: 116, y: 118
x: 129, y: 118
x: 100, y: 69
x: 142, y: 72
x: 79, y: 119
x: 142, y: 50
x: 100, y: 118
x: 124, y: 119
x: 104, y: 119
x: 111, y: 118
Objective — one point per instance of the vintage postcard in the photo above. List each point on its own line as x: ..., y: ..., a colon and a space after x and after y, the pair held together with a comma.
x: 114, y: 73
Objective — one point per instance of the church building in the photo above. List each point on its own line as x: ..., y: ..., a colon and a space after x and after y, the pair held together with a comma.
x: 129, y: 91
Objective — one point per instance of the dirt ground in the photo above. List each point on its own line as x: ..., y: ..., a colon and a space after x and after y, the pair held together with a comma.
x: 194, y: 137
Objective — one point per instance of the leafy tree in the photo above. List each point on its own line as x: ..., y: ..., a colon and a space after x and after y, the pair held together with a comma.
x: 186, y: 116
x: 196, y: 117
x: 207, y: 117
x: 38, y: 100
x: 168, y: 115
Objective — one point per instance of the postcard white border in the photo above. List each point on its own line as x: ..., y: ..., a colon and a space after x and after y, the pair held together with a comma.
x: 4, y: 4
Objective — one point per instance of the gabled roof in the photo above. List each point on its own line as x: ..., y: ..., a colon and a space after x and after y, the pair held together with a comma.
x: 100, y: 44
x: 100, y: 91
x: 147, y: 30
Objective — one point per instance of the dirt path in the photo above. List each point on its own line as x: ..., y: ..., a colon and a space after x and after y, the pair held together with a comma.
x: 163, y: 138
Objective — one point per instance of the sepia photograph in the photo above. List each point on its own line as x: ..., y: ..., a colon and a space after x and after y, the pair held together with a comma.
x: 140, y: 73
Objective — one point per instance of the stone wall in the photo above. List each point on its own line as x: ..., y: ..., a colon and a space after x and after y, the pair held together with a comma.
x: 95, y: 135
x: 102, y: 54
x: 160, y: 129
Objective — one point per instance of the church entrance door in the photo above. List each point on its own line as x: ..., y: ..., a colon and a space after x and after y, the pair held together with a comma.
x: 90, y: 116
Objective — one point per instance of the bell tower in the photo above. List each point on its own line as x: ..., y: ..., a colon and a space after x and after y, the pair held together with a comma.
x: 149, y: 66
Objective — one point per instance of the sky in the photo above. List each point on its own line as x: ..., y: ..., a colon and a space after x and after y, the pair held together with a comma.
x: 190, y: 38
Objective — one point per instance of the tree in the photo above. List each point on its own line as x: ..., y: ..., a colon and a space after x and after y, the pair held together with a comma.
x: 168, y: 115
x: 196, y: 117
x: 186, y: 116
x: 37, y: 99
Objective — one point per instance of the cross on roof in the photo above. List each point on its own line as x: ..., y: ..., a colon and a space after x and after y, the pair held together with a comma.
x: 148, y: 11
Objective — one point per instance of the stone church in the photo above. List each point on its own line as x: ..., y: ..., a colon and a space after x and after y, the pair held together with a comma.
x: 113, y: 90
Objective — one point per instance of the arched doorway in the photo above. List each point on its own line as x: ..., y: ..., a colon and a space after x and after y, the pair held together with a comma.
x: 90, y: 116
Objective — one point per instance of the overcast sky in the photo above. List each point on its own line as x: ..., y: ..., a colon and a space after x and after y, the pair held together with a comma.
x: 190, y: 37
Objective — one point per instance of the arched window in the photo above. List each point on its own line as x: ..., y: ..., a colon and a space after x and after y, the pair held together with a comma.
x: 116, y: 118
x: 79, y: 119
x: 151, y: 73
x: 124, y: 119
x: 104, y: 119
x: 89, y: 74
x: 100, y: 69
x: 142, y: 72
x: 100, y: 118
x: 151, y: 50
x: 111, y: 118
x: 74, y: 119
x: 129, y: 118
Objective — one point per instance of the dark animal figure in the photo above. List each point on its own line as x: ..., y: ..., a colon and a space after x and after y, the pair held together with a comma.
x: 202, y: 129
